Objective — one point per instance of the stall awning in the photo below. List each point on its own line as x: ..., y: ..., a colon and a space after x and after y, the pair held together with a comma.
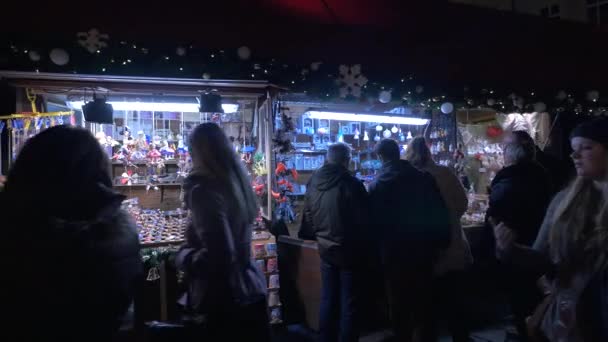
x: 79, y: 83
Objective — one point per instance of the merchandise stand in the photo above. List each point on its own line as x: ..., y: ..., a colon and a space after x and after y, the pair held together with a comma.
x: 147, y: 143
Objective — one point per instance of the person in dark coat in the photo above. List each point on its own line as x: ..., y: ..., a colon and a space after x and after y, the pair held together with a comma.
x: 413, y: 225
x: 335, y: 215
x: 559, y: 172
x: 70, y: 252
x: 519, y: 196
x: 225, y: 288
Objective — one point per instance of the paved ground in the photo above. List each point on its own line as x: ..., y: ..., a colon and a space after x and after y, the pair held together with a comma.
x: 297, y: 333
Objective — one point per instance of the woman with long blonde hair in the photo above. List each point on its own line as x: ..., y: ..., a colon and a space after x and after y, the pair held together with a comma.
x: 224, y: 285
x: 572, y: 246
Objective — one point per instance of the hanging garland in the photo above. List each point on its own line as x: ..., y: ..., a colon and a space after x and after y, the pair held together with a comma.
x: 93, y: 52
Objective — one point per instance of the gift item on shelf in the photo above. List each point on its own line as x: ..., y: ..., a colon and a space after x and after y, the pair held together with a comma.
x: 273, y: 282
x: 259, y: 250
x: 261, y: 264
x: 273, y: 299
x: 272, y: 265
x: 155, y: 226
x: 271, y: 249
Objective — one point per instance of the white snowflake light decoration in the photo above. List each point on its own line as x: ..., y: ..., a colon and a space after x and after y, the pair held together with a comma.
x: 351, y: 80
x: 93, y: 40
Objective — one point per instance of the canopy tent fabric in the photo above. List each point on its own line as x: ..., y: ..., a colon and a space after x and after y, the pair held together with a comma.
x: 538, y: 125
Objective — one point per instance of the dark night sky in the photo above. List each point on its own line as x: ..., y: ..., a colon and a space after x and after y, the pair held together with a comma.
x: 435, y: 39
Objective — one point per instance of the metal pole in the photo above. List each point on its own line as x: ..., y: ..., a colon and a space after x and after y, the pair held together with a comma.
x: 268, y: 152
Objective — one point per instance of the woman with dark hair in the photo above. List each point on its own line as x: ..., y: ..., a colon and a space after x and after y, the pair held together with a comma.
x: 72, y: 255
x: 571, y: 247
x: 449, y: 270
x: 224, y: 285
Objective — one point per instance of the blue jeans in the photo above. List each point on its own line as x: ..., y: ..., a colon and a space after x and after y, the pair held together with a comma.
x: 337, y: 319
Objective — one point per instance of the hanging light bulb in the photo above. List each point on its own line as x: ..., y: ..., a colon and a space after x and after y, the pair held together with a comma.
x: 379, y: 128
x: 357, y: 134
x: 377, y: 137
x: 409, y: 135
x: 394, y: 129
x: 365, y: 136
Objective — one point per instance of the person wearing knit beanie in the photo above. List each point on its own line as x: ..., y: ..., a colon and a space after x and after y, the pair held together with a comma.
x: 589, y: 142
x: 596, y: 130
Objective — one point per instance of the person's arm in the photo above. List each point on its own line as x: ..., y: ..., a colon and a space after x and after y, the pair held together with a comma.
x: 306, y: 231
x: 534, y: 258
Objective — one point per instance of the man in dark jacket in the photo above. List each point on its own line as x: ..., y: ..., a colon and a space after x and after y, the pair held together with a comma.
x: 519, y: 196
x: 412, y: 223
x: 335, y: 215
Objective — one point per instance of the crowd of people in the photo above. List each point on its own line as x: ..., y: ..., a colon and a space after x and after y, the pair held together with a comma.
x: 73, y: 254
x: 408, y: 225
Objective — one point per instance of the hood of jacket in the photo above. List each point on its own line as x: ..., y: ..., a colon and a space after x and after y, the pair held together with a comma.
x: 328, y: 176
x: 395, y: 169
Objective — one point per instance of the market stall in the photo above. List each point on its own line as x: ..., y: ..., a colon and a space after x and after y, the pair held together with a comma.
x: 309, y: 128
x: 480, y: 133
x: 143, y: 124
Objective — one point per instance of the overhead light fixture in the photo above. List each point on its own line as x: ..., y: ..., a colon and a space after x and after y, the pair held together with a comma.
x: 157, y: 106
x: 399, y: 120
x: 211, y: 103
x: 98, y: 111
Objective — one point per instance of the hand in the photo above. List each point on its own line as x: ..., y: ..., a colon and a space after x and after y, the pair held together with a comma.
x: 505, y: 237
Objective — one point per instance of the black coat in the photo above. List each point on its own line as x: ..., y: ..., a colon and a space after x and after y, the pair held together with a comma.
x: 408, y: 214
x: 216, y: 257
x: 335, y: 214
x: 519, y: 197
x: 68, y: 280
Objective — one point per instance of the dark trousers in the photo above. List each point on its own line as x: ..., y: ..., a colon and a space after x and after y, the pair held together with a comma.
x: 450, y: 305
x: 523, y: 296
x: 409, y: 291
x: 339, y: 300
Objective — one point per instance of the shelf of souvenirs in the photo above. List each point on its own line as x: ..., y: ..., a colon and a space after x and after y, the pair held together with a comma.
x: 158, y: 228
x: 476, y: 213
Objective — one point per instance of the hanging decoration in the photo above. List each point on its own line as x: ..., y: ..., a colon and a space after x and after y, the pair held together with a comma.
x: 180, y: 51
x: 285, y: 179
x: 34, y: 56
x: 59, y: 56
x: 351, y: 80
x: 244, y: 53
x: 95, y: 53
x: 447, y: 108
x: 385, y: 96
x: 93, y: 41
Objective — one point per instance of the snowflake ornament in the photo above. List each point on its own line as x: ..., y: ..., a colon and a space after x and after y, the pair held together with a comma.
x: 92, y: 40
x: 351, y: 80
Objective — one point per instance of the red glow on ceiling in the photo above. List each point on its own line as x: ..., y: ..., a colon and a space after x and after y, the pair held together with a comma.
x: 346, y: 11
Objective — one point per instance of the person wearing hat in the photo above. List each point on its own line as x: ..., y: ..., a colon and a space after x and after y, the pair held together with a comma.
x: 571, y: 250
